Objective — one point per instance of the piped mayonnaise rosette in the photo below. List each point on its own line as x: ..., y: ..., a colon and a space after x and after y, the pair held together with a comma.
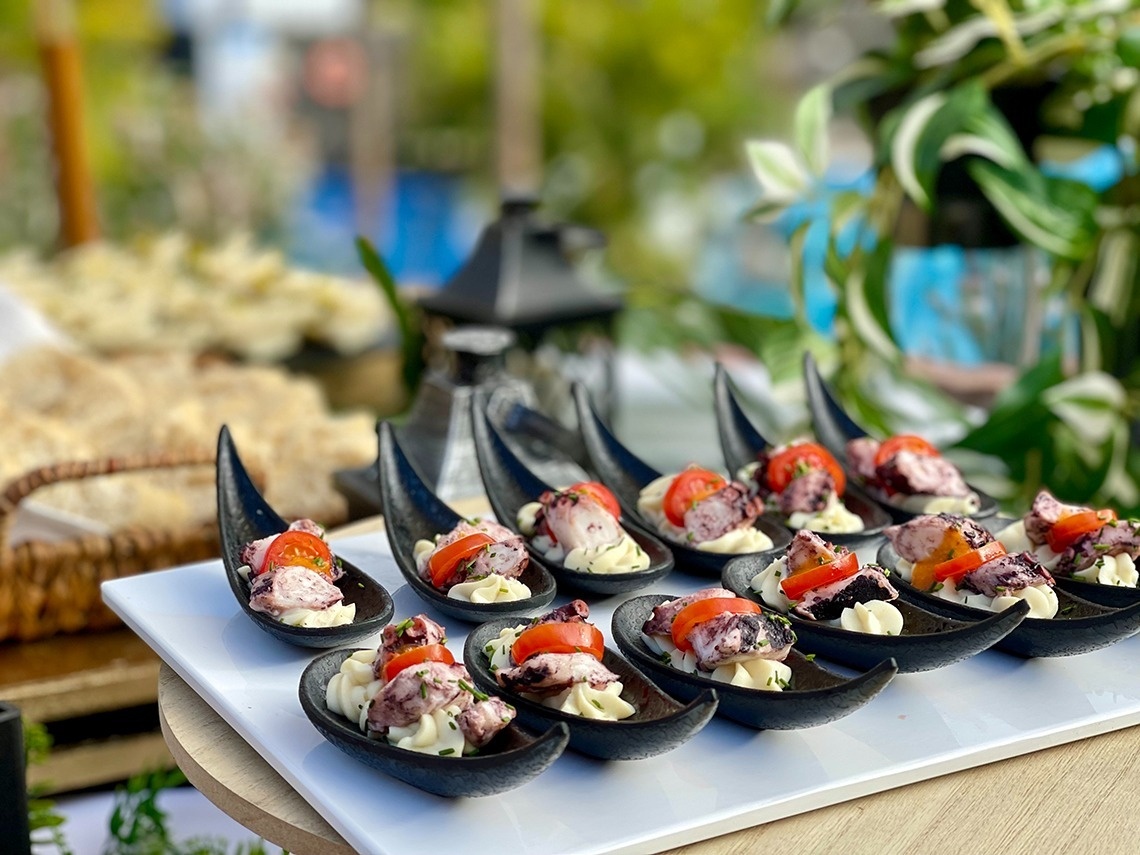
x: 715, y: 634
x: 580, y: 528
x: 556, y: 660
x: 292, y: 576
x: 478, y: 561
x: 700, y: 509
x: 412, y: 693
x: 819, y: 581
x: 954, y: 558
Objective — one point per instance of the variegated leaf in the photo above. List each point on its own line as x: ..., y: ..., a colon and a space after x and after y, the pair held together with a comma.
x: 813, y: 115
x: 904, y: 145
x: 781, y: 173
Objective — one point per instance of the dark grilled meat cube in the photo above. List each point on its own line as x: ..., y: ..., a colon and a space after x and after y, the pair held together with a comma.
x: 919, y: 474
x: 661, y: 621
x: 861, y: 456
x: 1044, y: 514
x: 578, y: 520
x: 277, y: 591
x: 483, y: 719
x: 807, y: 493
x: 733, y: 638
x: 417, y: 691
x: 828, y: 601
x: 1006, y: 574
x: 417, y: 631
x: 919, y: 538
x: 728, y: 508
x: 550, y: 673
x: 1115, y: 538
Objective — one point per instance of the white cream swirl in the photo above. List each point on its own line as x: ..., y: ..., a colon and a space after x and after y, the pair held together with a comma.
x: 764, y: 674
x: 925, y: 503
x: 434, y: 733
x: 1117, y: 570
x: 833, y: 518
x: 624, y: 556
x: 338, y: 614
x: 766, y: 583
x: 351, y: 688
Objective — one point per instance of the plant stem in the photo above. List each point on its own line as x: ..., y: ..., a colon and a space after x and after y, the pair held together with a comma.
x: 1039, y: 54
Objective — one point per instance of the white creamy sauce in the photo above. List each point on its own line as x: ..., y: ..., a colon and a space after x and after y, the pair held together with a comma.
x: 338, y: 614
x: 763, y: 674
x: 834, y: 518
x: 922, y: 503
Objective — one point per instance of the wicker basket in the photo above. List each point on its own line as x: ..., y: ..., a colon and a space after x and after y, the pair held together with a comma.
x: 52, y: 588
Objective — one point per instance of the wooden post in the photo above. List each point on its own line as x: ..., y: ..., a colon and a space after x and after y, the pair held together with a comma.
x: 63, y: 76
x: 518, y: 102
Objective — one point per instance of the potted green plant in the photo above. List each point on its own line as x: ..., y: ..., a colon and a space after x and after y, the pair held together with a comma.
x: 939, y: 105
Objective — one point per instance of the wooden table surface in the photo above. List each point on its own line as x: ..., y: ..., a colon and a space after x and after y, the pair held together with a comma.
x: 1075, y: 797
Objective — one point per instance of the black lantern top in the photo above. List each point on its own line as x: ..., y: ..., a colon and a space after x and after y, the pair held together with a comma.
x: 520, y: 277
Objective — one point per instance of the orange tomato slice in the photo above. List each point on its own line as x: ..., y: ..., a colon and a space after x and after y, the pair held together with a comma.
x: 967, y: 562
x: 572, y: 637
x: 689, y: 487
x: 704, y: 610
x: 414, y: 656
x: 798, y: 584
x: 903, y: 442
x: 298, y: 549
x: 442, y: 563
x: 601, y: 494
x: 787, y: 464
x: 1065, y: 531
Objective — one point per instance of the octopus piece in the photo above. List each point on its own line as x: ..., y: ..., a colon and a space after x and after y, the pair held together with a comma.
x: 550, y: 673
x: 918, y: 474
x: 661, y: 621
x: 575, y: 611
x: 807, y: 493
x: 464, y: 528
x: 285, y: 588
x: 418, y: 691
x: 861, y: 457
x: 417, y: 631
x: 483, y: 719
x: 1046, y: 512
x: 730, y: 638
x: 1114, y: 538
x: 922, y: 537
x: 1005, y: 574
x: 506, y: 556
x: 729, y: 508
x: 577, y: 520
x: 808, y: 549
x: 827, y: 602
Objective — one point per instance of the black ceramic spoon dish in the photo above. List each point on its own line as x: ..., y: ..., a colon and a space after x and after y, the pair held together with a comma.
x: 660, y: 723
x: 243, y: 517
x: 741, y: 443
x: 1113, y: 596
x: 413, y: 512
x: 834, y: 428
x: 510, y: 485
x: 626, y: 474
x: 1079, y: 627
x: 928, y: 640
x: 816, y: 696
x: 512, y: 758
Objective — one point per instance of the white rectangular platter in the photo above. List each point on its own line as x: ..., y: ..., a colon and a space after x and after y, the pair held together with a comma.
x: 728, y: 777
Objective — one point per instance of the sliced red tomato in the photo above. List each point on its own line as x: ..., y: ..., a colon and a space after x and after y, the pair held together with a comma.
x: 298, y: 549
x: 968, y: 562
x: 888, y: 448
x: 1065, y: 531
x: 798, y: 584
x: 414, y: 656
x: 601, y: 494
x: 572, y: 637
x: 704, y: 610
x: 689, y: 487
x: 442, y: 563
x: 795, y: 460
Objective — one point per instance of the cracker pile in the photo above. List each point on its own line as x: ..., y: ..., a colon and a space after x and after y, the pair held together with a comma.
x: 57, y: 406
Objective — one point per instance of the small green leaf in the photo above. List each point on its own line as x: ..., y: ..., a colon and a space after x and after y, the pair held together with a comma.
x: 407, y: 318
x: 779, y: 170
x: 812, y: 117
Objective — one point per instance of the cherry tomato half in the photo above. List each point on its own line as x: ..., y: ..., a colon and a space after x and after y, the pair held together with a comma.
x: 572, y: 637
x: 703, y: 610
x: 798, y: 584
x: 298, y: 549
x: 784, y: 466
x: 903, y: 442
x: 968, y: 562
x: 601, y: 494
x: 1064, y: 533
x: 414, y: 656
x: 442, y: 563
x: 689, y: 487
